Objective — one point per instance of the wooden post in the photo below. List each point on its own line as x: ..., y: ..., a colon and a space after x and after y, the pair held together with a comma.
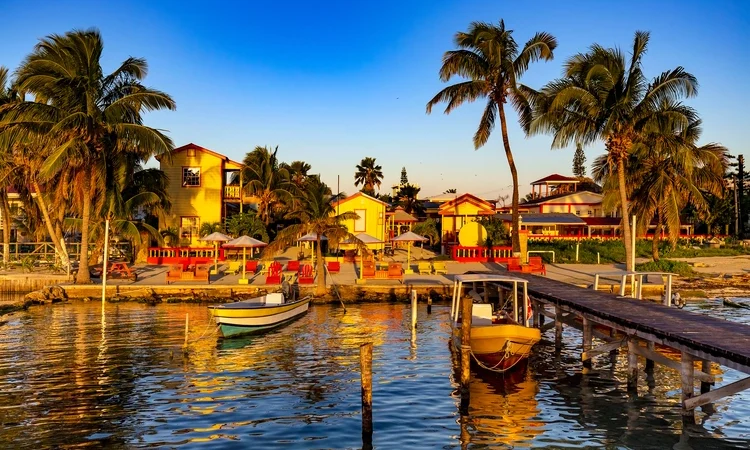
x: 558, y: 328
x: 577, y: 245
x: 632, y: 366
x: 668, y: 291
x: 413, y: 308
x: 706, y: 368
x: 588, y: 331
x: 650, y: 362
x: 613, y: 353
x: 365, y: 368
x: 687, y: 376
x: 187, y: 324
x: 429, y: 304
x: 466, y: 310
x: 535, y: 314
x: 106, y: 257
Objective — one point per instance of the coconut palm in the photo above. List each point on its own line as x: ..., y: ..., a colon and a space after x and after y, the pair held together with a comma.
x: 81, y: 118
x: 7, y: 96
x: 604, y: 97
x: 267, y: 181
x: 408, y: 198
x: 667, y: 175
x: 489, y: 58
x: 298, y: 172
x: 369, y: 175
x: 247, y: 224
x: 317, y: 215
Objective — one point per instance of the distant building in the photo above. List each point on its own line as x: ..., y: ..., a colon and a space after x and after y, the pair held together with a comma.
x: 371, y: 214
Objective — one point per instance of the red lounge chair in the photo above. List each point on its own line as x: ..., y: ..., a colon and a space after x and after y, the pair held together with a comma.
x: 202, y: 272
x: 537, y: 265
x: 274, y: 274
x: 368, y: 270
x: 514, y: 265
x: 292, y: 266
x: 305, y: 274
x: 174, y: 273
x: 334, y: 267
x: 251, y: 266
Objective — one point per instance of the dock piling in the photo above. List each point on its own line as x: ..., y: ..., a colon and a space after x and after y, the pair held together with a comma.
x: 365, y: 368
x: 187, y: 324
x: 632, y: 365
x: 687, y: 376
x: 466, y: 311
x: 558, y: 328
x: 413, y: 308
x: 429, y: 304
x: 650, y: 362
x: 588, y: 331
x: 705, y: 368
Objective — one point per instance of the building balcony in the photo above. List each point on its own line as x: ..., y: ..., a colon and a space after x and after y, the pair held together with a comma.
x: 232, y: 192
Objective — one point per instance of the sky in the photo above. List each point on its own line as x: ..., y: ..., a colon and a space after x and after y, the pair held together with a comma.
x: 333, y: 82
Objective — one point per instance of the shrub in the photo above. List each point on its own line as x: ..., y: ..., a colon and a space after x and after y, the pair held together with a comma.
x: 666, y: 265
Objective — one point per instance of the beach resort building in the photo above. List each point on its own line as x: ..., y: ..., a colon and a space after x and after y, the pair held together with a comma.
x: 204, y: 187
x: 371, y: 214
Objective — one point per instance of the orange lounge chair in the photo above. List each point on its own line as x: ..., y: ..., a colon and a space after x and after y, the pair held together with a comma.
x: 334, y: 266
x: 396, y: 272
x: 202, y: 272
x: 174, y: 273
x: 368, y: 270
x: 305, y: 274
x: 537, y: 265
x: 514, y: 265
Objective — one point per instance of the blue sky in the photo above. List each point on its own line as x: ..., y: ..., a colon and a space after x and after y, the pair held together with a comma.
x: 333, y: 82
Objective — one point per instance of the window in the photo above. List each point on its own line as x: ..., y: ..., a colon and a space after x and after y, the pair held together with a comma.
x: 360, y: 224
x: 191, y: 176
x: 189, y: 227
x: 191, y: 153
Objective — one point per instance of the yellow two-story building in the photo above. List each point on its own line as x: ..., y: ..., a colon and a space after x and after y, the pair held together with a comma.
x: 204, y: 187
x: 371, y: 214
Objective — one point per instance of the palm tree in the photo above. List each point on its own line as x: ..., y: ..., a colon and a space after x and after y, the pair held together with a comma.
x: 298, y: 172
x: 7, y: 96
x: 667, y: 175
x: 604, y: 97
x: 369, y: 175
x: 489, y: 58
x: 83, y: 119
x: 267, y: 181
x: 317, y: 215
x: 408, y: 198
x: 248, y: 224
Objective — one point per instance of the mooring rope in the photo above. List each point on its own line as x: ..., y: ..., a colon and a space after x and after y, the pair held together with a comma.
x: 507, y: 354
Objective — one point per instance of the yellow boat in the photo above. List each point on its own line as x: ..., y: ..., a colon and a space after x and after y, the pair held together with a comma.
x: 502, y: 341
x: 257, y: 314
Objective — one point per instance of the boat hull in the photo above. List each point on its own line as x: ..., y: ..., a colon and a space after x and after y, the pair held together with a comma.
x: 500, y: 347
x: 235, y: 321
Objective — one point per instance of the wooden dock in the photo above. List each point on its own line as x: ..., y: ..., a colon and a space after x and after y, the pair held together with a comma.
x: 640, y: 326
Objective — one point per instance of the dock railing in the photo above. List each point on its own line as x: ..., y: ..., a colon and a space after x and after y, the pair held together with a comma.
x: 637, y: 283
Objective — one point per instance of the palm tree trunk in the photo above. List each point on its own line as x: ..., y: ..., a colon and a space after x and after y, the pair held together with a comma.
x: 655, y: 240
x: 56, y: 239
x: 320, y: 288
x: 83, y: 276
x: 6, y: 225
x: 624, y: 209
x: 514, y: 176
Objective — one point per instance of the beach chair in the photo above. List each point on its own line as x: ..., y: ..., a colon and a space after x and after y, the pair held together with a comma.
x: 334, y: 266
x: 274, y: 274
x: 202, y: 272
x: 396, y: 272
x: 368, y: 270
x: 251, y: 266
x: 424, y: 268
x: 537, y: 265
x: 292, y: 266
x: 440, y: 267
x: 174, y: 273
x: 305, y: 274
x: 233, y: 267
x: 514, y: 265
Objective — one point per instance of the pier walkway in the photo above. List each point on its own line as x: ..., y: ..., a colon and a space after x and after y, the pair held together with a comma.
x: 632, y: 323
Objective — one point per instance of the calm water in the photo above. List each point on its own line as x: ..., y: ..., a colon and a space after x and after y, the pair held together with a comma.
x: 69, y: 377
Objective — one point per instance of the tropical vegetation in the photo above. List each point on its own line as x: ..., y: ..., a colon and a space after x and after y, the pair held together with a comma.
x: 369, y: 175
x: 491, y: 63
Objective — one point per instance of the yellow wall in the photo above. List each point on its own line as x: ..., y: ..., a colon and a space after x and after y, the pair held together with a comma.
x: 460, y: 215
x: 373, y: 218
x: 205, y: 201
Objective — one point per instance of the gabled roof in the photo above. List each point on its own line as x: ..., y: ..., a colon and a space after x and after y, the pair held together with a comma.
x: 546, y: 219
x: 556, y: 177
x: 358, y: 194
x: 196, y: 147
x: 467, y: 198
x: 399, y: 215
x: 541, y: 200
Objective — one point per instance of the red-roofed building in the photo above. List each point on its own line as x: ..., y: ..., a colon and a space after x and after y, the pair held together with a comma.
x: 553, y: 185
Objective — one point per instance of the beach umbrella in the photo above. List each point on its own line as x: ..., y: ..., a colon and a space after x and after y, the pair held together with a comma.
x: 312, y: 237
x: 409, y: 237
x: 365, y: 239
x: 244, y: 242
x: 216, y: 237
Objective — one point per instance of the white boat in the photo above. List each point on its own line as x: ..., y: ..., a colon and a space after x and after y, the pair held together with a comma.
x: 257, y: 314
x: 500, y: 341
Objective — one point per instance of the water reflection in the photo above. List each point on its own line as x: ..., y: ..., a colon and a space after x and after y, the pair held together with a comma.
x: 72, y: 376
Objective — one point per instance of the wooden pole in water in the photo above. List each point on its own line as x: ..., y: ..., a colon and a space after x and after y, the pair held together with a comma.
x: 649, y: 362
x: 365, y: 368
x: 429, y: 304
x: 687, y: 376
x: 466, y: 311
x: 558, y: 328
x: 632, y: 366
x: 106, y: 261
x: 588, y: 334
x: 413, y: 308
x: 187, y: 327
x: 705, y: 368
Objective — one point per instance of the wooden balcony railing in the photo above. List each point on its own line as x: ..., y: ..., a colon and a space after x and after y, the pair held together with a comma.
x: 232, y: 192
